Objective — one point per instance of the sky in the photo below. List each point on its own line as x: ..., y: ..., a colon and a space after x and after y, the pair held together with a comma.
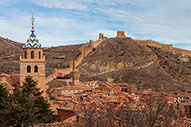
x: 65, y: 22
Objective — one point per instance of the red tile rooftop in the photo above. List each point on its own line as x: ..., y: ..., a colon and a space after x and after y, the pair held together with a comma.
x: 4, y: 75
x: 74, y: 87
x: 7, y: 85
x: 183, y: 123
x: 56, y: 124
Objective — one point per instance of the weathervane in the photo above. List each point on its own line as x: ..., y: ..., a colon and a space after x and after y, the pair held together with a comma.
x: 33, y: 20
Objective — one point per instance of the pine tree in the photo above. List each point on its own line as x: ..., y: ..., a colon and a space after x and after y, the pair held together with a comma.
x: 3, y: 98
x: 30, y: 88
x: 3, y: 92
x: 20, y: 109
x: 26, y: 106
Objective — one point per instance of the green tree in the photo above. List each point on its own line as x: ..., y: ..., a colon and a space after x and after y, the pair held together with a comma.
x: 3, y: 97
x: 3, y: 92
x: 30, y: 88
x: 26, y: 106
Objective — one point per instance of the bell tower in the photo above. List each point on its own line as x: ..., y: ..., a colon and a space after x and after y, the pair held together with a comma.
x: 32, y: 61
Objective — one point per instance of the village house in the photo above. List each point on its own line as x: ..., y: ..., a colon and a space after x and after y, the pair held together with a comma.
x: 4, y: 82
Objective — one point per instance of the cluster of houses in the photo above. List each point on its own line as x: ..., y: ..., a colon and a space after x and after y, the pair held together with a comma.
x: 67, y: 100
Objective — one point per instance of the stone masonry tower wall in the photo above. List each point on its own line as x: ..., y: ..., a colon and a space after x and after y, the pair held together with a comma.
x: 32, y: 63
x: 121, y: 34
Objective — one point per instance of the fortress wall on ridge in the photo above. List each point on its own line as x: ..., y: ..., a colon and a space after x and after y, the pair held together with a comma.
x: 93, y: 44
x: 165, y: 47
x: 74, y: 63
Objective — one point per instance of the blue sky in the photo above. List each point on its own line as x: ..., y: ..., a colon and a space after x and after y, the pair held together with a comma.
x: 63, y: 22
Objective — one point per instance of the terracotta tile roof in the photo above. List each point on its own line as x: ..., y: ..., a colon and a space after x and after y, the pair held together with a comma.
x: 6, y: 85
x: 183, y: 123
x: 56, y: 124
x: 4, y: 75
x: 74, y: 87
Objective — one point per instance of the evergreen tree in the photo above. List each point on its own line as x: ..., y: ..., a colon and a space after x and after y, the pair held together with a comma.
x: 20, y: 109
x: 3, y: 98
x: 30, y: 88
x: 3, y: 92
x: 26, y: 106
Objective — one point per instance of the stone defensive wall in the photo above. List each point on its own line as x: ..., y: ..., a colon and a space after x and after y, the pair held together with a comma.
x: 50, y: 77
x: 182, y: 51
x: 74, y: 63
x: 155, y: 44
x: 165, y: 47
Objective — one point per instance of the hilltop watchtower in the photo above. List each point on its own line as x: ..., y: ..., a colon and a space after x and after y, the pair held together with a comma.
x: 32, y: 61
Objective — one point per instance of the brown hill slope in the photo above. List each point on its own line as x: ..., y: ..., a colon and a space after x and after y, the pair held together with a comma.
x: 56, y: 57
x: 125, y: 61
x: 59, y: 57
x: 9, y: 56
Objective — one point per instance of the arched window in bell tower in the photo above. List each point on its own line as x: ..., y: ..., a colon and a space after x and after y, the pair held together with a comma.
x: 35, y: 68
x: 32, y: 54
x: 39, y: 54
x: 28, y: 69
x: 25, y: 54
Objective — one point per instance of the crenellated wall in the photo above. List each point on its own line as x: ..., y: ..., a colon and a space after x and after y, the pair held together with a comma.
x: 181, y: 51
x: 165, y: 47
x: 74, y: 63
x: 51, y: 77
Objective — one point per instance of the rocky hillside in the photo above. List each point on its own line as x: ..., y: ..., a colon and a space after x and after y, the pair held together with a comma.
x: 59, y: 57
x: 9, y: 56
x: 114, y: 61
x: 124, y: 61
x: 56, y: 57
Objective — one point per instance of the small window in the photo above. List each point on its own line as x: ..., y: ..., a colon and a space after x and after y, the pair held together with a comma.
x: 25, y: 54
x: 29, y: 69
x: 77, y: 118
x: 35, y: 68
x: 39, y: 54
x: 32, y: 54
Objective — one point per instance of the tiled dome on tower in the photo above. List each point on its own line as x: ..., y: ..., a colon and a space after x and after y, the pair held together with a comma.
x: 32, y: 41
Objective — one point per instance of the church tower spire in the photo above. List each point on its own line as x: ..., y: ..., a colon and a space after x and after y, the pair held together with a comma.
x: 32, y: 41
x: 32, y: 61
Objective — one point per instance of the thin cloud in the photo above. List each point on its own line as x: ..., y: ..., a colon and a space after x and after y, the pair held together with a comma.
x: 64, y: 21
x: 67, y: 4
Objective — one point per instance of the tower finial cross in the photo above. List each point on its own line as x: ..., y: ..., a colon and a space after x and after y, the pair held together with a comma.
x: 33, y: 20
